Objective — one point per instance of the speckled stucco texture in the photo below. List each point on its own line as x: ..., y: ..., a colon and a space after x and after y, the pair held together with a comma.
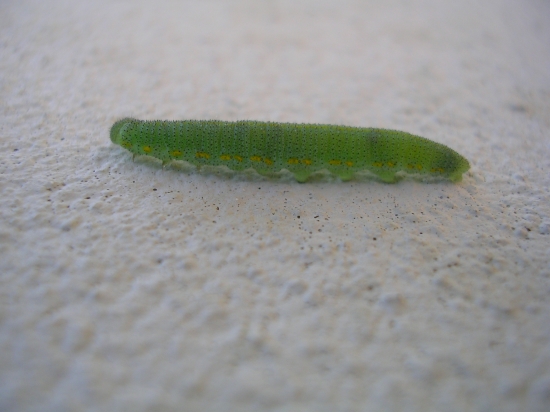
x: 124, y: 286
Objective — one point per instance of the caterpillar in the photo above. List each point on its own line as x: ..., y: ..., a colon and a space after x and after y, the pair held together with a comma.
x: 302, y: 149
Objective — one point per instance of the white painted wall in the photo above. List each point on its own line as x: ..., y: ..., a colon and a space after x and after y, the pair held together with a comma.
x: 127, y: 287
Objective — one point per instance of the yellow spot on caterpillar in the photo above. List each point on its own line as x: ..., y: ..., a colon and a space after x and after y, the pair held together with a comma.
x: 378, y: 164
x: 175, y: 153
x: 127, y: 145
x: 147, y: 149
x: 334, y: 162
x: 437, y: 169
x: 256, y: 158
x: 391, y: 164
x: 238, y: 158
x: 349, y: 164
x: 293, y: 161
x: 268, y: 161
x: 225, y: 157
x: 307, y: 162
x: 419, y: 166
x: 202, y: 155
x: 410, y: 166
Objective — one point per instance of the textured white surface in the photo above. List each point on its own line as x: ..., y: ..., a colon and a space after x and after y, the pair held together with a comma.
x: 128, y: 287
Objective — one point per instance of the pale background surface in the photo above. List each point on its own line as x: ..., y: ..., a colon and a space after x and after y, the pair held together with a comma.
x: 128, y: 287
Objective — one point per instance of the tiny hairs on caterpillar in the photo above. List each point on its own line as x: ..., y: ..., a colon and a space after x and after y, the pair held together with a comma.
x: 302, y: 149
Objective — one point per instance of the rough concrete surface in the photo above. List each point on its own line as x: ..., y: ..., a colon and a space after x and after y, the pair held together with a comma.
x: 126, y: 287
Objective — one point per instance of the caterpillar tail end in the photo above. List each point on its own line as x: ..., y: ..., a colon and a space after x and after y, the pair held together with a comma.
x: 464, y: 166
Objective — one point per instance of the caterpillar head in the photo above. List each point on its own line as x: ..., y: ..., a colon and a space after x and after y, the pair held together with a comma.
x: 116, y: 132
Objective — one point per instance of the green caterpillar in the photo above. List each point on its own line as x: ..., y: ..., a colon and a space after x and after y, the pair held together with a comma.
x: 302, y: 149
